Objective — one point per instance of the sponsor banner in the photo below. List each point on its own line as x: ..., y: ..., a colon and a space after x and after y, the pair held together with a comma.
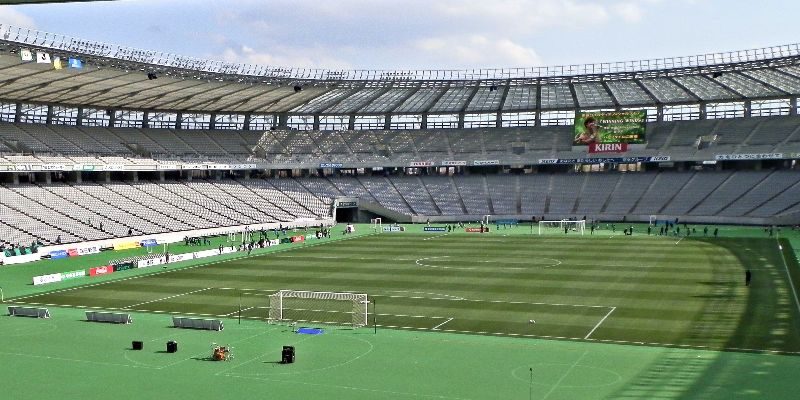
x: 434, y: 229
x: 173, y: 258
x: 205, y: 253
x: 56, y: 254
x: 486, y: 162
x: 54, y: 167
x: 477, y: 230
x: 421, y: 164
x: 454, y: 163
x: 123, y: 266
x: 330, y: 165
x: 101, y: 270
x: 755, y: 156
x: 151, y: 262
x: 192, y: 166
x: 608, y: 148
x: 218, y: 166
x: 506, y: 222
x: 168, y: 167
x: 610, y: 127
x: 52, y: 278
x: 298, y: 239
x: 393, y: 229
x: 42, y: 57
x: 242, y: 166
x: 347, y: 204
x: 310, y: 237
x: 6, y: 167
x: 148, y: 243
x: 274, y: 242
x: 604, y: 160
x: 74, y: 274
x: 72, y: 252
x: 82, y: 251
x: 75, y: 63
x: 126, y: 245
x: 112, y: 167
x: 26, y: 55
x: 286, y: 240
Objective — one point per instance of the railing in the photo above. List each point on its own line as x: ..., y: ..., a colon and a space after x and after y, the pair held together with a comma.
x: 46, y: 40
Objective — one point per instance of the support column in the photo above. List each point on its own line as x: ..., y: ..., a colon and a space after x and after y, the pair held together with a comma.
x: 461, y: 120
x: 793, y: 106
x: 315, y: 124
x: 79, y: 121
x: 351, y: 123
x: 79, y: 177
x: 748, y: 111
x: 112, y: 117
x: 703, y: 110
x: 161, y: 176
x: 135, y: 176
x: 424, y: 124
x: 49, y: 119
x: 660, y: 113
x: 48, y: 178
x: 15, y: 178
x: 108, y: 176
x: 247, y: 118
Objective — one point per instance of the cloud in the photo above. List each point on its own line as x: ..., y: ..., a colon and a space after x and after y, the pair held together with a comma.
x: 630, y: 12
x: 284, y: 57
x: 10, y: 16
x: 476, y: 51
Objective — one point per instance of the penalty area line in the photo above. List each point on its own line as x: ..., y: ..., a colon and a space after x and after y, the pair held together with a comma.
x: 440, y: 325
x: 598, y: 324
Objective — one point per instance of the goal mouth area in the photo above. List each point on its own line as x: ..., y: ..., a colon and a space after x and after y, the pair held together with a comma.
x: 309, y: 307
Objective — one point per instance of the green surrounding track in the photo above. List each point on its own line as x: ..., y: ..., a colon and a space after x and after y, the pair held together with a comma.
x: 645, y: 317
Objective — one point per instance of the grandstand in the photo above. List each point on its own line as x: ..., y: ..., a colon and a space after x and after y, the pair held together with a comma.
x: 136, y: 145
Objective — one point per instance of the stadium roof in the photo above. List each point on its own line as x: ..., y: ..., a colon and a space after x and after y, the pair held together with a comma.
x: 116, y: 77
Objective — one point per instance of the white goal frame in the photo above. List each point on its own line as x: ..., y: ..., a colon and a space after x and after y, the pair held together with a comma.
x: 653, y: 220
x: 579, y: 225
x: 359, y: 303
x: 377, y: 224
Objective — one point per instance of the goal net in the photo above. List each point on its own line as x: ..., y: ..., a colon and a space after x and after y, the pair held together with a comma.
x: 562, y: 226
x: 377, y: 226
x: 345, y: 309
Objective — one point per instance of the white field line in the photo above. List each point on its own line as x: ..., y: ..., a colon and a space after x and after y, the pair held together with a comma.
x: 260, y: 254
x: 788, y: 275
x: 490, y: 301
x: 598, y: 324
x: 237, y: 311
x: 434, y: 237
x: 440, y: 325
x: 558, y: 382
x: 679, y: 240
x: 166, y: 298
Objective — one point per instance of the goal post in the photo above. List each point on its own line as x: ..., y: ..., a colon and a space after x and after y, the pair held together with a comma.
x: 561, y: 226
x: 653, y: 220
x: 377, y: 226
x: 346, y: 309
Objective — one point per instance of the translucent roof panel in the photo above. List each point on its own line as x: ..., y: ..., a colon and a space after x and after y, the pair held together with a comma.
x: 557, y: 96
x: 354, y: 102
x: 320, y: 103
x: 486, y: 99
x: 746, y: 86
x: 520, y: 98
x: 666, y: 91
x: 592, y: 94
x: 420, y: 101
x: 792, y: 69
x: 629, y: 93
x: 787, y: 83
x: 453, y: 100
x: 387, y: 101
x: 705, y: 88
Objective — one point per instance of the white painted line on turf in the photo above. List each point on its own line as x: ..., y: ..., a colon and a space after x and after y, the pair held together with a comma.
x: 259, y: 254
x: 558, y: 382
x: 679, y: 240
x: 167, y: 298
x: 440, y: 325
x: 237, y: 311
x: 788, y: 275
x: 598, y: 324
x: 491, y: 301
x: 434, y: 237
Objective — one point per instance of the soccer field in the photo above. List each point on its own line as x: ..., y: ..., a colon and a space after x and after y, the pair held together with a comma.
x: 645, y: 290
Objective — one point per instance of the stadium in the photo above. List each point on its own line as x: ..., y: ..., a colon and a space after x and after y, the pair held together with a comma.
x: 600, y: 231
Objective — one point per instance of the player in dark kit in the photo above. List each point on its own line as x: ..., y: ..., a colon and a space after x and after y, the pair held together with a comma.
x: 747, y: 277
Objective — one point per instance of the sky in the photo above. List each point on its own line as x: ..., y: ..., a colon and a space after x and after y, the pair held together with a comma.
x: 421, y: 34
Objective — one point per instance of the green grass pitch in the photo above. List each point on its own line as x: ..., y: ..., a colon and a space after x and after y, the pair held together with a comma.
x: 597, y: 301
